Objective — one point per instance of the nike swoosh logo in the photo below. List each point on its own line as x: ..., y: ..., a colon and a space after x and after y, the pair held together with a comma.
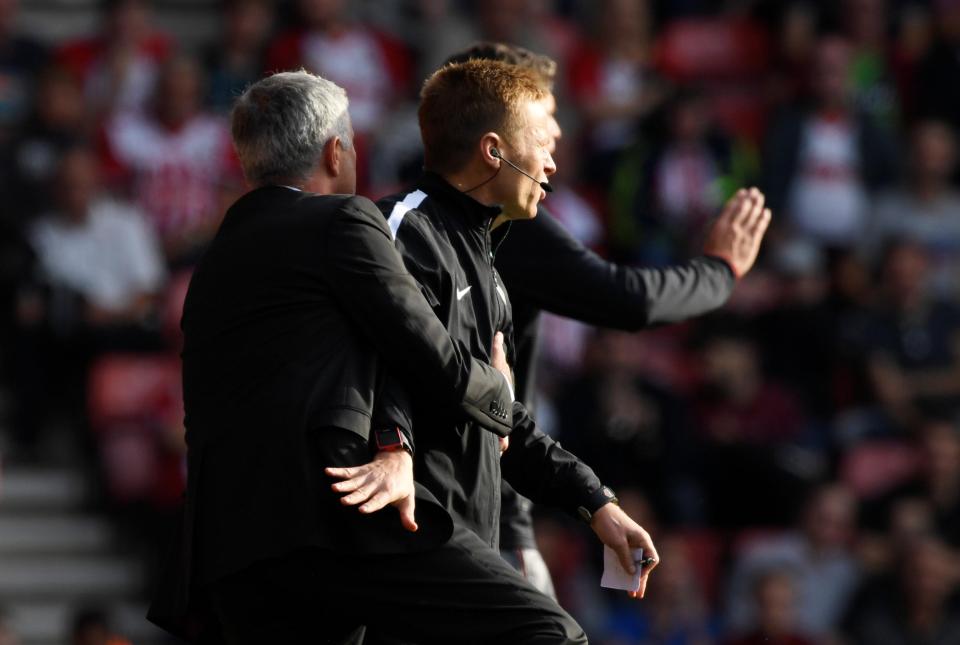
x: 462, y: 292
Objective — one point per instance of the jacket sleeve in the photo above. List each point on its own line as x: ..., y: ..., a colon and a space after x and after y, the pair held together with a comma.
x: 368, y: 278
x: 546, y: 266
x: 540, y: 468
x: 391, y: 408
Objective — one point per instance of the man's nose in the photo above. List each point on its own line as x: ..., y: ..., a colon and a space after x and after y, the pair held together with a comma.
x: 549, y: 166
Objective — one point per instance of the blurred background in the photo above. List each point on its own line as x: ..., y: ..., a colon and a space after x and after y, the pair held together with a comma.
x: 796, y: 456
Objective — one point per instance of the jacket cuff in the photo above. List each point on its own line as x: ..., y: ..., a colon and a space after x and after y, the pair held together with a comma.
x: 725, y: 263
x: 488, y: 399
x: 593, y: 501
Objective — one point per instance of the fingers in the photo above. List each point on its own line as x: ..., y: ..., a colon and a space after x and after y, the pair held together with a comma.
x: 352, y: 484
x: 625, y: 555
x: 504, y: 444
x: 361, y: 495
x: 756, y: 211
x: 760, y: 226
x: 497, y: 348
x: 644, y: 577
x: 733, y: 205
x: 406, y: 507
x: 378, y: 500
x: 343, y: 473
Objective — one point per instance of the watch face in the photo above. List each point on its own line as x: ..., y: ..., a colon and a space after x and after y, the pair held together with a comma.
x: 389, y: 439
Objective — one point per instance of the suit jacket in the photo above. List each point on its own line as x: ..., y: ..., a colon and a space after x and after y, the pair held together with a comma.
x: 286, y: 320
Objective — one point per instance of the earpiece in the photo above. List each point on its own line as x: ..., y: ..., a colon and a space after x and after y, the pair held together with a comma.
x: 496, y: 155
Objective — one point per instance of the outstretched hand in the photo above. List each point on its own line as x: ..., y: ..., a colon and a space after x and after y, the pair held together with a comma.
x: 385, y: 481
x: 616, y: 530
x: 737, y: 232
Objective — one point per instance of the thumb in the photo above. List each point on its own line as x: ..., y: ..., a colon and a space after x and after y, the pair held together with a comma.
x: 406, y: 507
x: 498, y: 343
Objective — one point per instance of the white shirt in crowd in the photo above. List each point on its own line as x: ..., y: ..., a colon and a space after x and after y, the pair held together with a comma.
x: 109, y: 259
x: 828, y: 202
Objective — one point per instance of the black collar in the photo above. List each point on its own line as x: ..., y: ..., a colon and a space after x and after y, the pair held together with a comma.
x: 438, y: 188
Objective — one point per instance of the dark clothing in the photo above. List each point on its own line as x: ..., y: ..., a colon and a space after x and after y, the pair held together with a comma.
x: 285, y: 320
x: 462, y: 592
x: 877, y: 158
x: 544, y: 267
x: 444, y: 237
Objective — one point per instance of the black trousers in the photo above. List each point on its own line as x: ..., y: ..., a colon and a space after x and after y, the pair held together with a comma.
x: 461, y: 592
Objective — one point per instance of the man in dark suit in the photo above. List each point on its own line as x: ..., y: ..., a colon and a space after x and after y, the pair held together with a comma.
x: 287, y: 318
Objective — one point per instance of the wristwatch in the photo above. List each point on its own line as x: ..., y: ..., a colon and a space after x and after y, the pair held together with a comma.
x: 391, y: 439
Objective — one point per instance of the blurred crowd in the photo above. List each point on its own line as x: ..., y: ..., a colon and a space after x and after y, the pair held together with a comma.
x: 796, y: 456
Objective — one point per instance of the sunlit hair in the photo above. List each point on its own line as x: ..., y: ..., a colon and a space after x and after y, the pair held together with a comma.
x: 460, y: 103
x: 281, y: 124
x: 543, y: 66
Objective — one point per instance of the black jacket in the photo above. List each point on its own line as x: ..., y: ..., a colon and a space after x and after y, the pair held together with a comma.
x: 444, y: 238
x: 546, y: 268
x: 284, y: 323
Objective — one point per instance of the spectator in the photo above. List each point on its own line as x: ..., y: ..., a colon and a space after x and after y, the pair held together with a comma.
x: 871, y: 65
x: 822, y: 162
x: 622, y: 414
x: 101, y: 271
x: 745, y: 424
x: 31, y: 159
x: 937, y: 482
x: 775, y: 601
x: 937, y: 74
x: 612, y: 80
x: 176, y: 159
x: 119, y: 67
x: 910, y: 340
x: 100, y: 249
x: 681, y: 188
x: 27, y: 166
x: 920, y: 603
x: 237, y: 61
x: 21, y: 58
x: 819, y: 558
x: 796, y: 42
x: 927, y: 209
x: 373, y: 68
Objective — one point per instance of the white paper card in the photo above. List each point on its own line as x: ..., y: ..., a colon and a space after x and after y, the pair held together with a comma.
x: 615, y: 576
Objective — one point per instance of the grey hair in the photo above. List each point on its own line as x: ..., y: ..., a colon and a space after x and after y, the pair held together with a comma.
x: 281, y: 124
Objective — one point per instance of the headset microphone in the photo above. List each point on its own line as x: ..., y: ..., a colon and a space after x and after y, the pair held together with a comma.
x: 496, y: 154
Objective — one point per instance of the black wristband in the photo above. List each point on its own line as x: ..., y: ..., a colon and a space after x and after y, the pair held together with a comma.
x: 594, y: 501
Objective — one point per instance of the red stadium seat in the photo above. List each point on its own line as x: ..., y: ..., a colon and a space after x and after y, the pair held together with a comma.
x: 136, y: 412
x: 128, y: 387
x: 704, y: 50
x: 875, y: 467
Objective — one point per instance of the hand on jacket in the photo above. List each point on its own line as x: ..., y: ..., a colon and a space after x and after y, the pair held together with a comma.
x: 615, y: 529
x: 498, y: 359
x: 736, y: 234
x: 387, y: 480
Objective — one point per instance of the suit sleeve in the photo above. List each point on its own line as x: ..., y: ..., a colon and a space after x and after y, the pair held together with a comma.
x: 540, y: 468
x: 391, y: 408
x: 367, y: 276
x: 547, y: 267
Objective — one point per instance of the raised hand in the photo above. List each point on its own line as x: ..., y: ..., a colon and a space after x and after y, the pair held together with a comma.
x: 737, y: 232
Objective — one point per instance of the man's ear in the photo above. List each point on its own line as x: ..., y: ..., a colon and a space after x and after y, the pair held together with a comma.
x: 332, y: 152
x: 490, y: 149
